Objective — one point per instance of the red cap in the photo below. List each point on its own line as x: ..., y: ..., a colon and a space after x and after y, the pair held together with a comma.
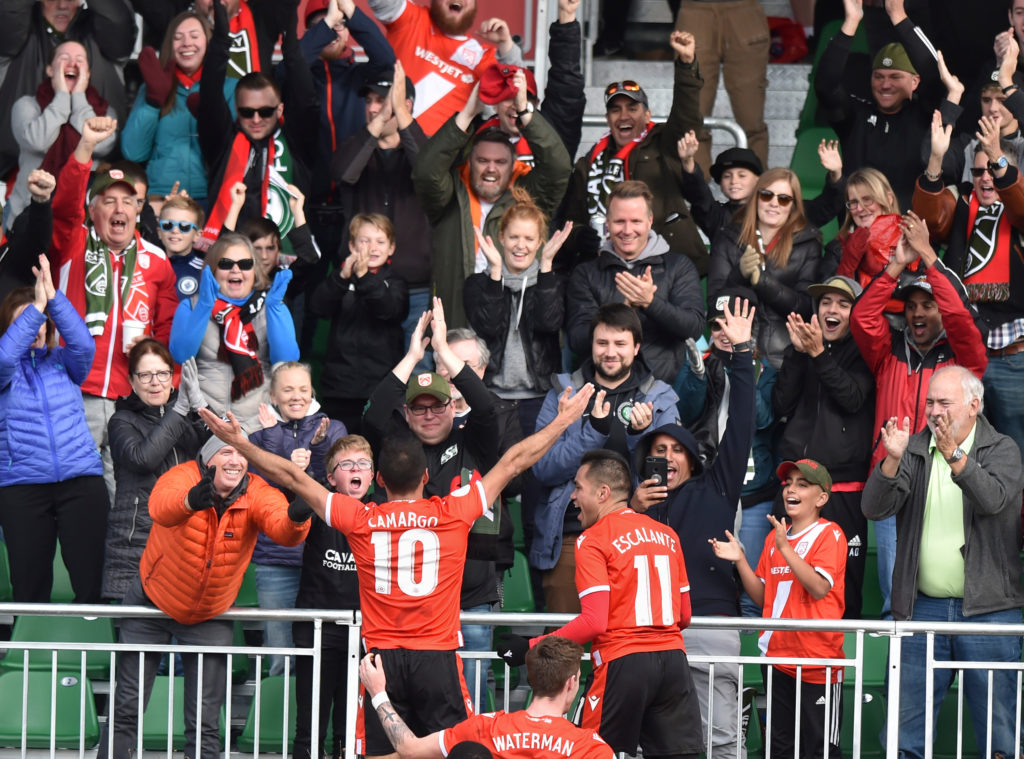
x: 496, y: 83
x: 316, y: 6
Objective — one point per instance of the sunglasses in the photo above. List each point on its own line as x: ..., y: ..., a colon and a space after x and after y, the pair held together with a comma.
x: 227, y: 264
x: 432, y: 410
x: 265, y: 112
x: 627, y: 85
x: 866, y: 203
x: 767, y: 195
x: 981, y: 172
x: 183, y: 226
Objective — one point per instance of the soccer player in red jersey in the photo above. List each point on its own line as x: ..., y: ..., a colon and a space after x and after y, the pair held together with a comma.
x: 634, y: 597
x: 800, y: 576
x: 409, y: 555
x: 538, y: 732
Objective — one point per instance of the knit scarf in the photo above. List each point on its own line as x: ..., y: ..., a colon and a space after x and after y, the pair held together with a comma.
x: 101, y: 275
x: 987, y: 266
x: 607, y: 171
x: 278, y: 170
x: 239, y: 345
x: 68, y: 136
x: 244, y: 53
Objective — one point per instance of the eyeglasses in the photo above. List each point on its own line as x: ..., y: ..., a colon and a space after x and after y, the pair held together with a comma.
x: 981, y: 172
x: 146, y: 377
x: 853, y: 205
x: 265, y: 112
x: 433, y: 410
x: 227, y: 264
x: 627, y: 85
x: 767, y: 195
x: 183, y: 226
x: 363, y: 465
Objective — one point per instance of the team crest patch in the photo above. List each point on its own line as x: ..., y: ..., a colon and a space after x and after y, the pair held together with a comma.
x: 469, y: 54
x: 116, y: 174
x: 801, y: 548
x: 423, y: 380
x: 625, y: 412
x: 886, y: 62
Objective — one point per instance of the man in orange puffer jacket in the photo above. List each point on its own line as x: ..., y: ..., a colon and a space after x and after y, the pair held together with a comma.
x: 206, y: 516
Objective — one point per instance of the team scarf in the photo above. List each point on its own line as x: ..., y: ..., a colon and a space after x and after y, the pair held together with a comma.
x: 101, y: 271
x: 68, y: 137
x: 244, y: 53
x: 239, y: 346
x: 987, y: 266
x: 519, y: 144
x: 188, y: 81
x: 278, y: 170
x: 607, y: 171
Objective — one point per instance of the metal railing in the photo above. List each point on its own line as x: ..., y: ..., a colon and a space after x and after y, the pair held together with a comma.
x: 855, y: 664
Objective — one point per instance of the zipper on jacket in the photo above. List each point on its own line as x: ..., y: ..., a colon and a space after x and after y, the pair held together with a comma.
x: 49, y: 427
x: 135, y: 519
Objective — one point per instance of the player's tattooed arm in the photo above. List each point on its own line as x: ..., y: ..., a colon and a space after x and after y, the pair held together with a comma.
x: 397, y: 731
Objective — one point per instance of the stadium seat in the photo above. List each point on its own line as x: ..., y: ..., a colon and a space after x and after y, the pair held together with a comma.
x: 515, y: 510
x: 872, y: 722
x: 61, y: 591
x: 272, y: 717
x: 808, y: 114
x: 247, y: 596
x: 154, y: 721
x: 518, y: 592
x: 751, y: 672
x: 62, y: 630
x: 72, y: 723
x: 240, y: 663
x: 6, y: 591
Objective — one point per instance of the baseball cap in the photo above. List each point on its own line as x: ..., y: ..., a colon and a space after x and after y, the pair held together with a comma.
x: 716, y: 307
x: 496, y: 83
x: 380, y: 82
x: 736, y: 158
x: 893, y: 56
x: 626, y: 87
x: 810, y: 469
x: 918, y: 283
x: 428, y: 383
x: 316, y: 6
x: 107, y: 179
x: 836, y: 284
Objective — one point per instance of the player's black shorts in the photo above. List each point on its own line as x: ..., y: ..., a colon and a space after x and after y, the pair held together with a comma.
x: 645, y: 699
x: 426, y: 689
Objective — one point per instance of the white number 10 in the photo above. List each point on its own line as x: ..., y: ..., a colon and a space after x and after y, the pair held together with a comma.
x: 404, y: 563
x: 642, y: 604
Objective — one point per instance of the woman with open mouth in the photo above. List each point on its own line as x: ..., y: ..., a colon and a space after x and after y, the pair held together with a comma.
x: 236, y: 327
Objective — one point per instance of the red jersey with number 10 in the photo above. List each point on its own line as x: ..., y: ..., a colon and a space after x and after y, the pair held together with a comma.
x: 640, y: 562
x: 443, y: 69
x: 409, y: 559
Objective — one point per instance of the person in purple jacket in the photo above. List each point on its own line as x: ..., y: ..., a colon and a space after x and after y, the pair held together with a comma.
x: 51, y: 479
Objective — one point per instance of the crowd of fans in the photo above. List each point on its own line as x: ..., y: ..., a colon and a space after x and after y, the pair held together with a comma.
x: 203, y: 208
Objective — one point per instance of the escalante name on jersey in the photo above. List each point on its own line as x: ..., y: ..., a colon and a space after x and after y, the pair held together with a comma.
x: 534, y: 742
x: 399, y: 520
x: 634, y: 538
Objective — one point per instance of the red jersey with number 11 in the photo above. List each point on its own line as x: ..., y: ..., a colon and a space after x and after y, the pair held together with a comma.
x: 409, y: 559
x: 640, y: 562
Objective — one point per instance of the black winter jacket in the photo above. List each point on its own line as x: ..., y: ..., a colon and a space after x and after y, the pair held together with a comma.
x: 489, y: 310
x: 366, y: 340
x: 145, y: 441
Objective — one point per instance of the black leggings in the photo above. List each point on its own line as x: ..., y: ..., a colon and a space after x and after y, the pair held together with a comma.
x: 33, y: 517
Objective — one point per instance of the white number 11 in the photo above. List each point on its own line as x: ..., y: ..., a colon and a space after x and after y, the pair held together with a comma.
x: 642, y: 604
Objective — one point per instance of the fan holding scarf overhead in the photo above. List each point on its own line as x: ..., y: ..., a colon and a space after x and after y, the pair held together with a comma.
x: 237, y: 326
x: 272, y: 143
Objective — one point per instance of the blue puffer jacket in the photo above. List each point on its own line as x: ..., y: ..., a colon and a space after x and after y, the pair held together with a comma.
x: 43, y: 434
x: 168, y: 145
x: 282, y: 439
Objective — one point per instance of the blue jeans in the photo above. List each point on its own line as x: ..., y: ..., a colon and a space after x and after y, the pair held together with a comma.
x: 477, y: 638
x: 277, y: 587
x: 885, y: 540
x: 1004, y: 403
x: 1001, y: 648
x: 754, y: 528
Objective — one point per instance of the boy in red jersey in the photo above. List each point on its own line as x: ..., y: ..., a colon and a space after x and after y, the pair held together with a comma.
x: 800, y: 576
x: 409, y: 555
x: 538, y: 732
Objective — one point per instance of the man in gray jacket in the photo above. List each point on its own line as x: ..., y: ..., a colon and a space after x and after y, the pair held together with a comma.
x: 955, y: 489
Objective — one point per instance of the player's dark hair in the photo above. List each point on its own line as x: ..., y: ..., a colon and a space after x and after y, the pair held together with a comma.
x: 495, y: 135
x: 618, y: 316
x: 255, y: 81
x: 470, y: 750
x: 604, y: 467
x: 401, y: 463
x: 550, y: 663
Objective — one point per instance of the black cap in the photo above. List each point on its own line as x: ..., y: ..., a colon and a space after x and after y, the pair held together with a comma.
x: 736, y: 158
x: 379, y: 82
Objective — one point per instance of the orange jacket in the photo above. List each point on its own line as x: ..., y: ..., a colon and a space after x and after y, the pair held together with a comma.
x: 193, y: 564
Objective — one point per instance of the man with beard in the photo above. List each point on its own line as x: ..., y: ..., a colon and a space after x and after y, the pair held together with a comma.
x: 441, y: 60
x: 956, y: 488
x: 822, y: 395
x: 460, y: 196
x: 636, y: 266
x: 629, y: 400
x: 262, y: 149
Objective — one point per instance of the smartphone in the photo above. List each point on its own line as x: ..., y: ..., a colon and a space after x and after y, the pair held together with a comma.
x: 655, y: 468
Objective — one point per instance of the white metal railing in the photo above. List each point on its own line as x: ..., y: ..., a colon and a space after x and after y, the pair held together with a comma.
x: 855, y: 664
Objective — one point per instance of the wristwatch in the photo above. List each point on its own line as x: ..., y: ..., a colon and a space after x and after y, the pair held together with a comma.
x: 529, y: 109
x: 999, y: 165
x: 746, y: 345
x: 956, y: 455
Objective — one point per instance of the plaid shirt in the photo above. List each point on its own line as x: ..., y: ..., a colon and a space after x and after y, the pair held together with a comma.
x: 1005, y: 334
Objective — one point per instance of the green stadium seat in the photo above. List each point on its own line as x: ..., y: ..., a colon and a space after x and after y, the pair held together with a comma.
x: 872, y: 723
x: 751, y: 672
x: 154, y: 722
x: 6, y: 591
x: 272, y: 717
x: 62, y: 630
x: 518, y: 591
x: 61, y: 592
x: 74, y: 711
x: 239, y: 662
x: 247, y: 596
x: 515, y: 510
x: 808, y: 114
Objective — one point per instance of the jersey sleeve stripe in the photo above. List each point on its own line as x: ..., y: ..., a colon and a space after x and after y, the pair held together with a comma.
x: 684, y: 589
x: 595, y: 589
x: 440, y: 741
x: 484, y: 506
x: 826, y: 575
x: 327, y: 508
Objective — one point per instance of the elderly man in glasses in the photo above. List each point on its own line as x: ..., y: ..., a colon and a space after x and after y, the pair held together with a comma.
x: 637, y: 148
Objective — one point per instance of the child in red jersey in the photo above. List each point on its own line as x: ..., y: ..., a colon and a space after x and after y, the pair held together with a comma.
x: 800, y: 576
